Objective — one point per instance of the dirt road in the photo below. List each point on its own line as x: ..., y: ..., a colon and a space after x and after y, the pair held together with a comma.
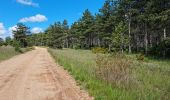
x: 35, y: 76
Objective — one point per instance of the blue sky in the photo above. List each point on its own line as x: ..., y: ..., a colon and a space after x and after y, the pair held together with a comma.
x: 39, y: 14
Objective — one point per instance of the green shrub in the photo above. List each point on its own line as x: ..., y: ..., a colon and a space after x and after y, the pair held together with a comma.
x: 76, y: 46
x: 7, y: 52
x: 17, y: 46
x: 27, y: 49
x: 99, y: 50
x: 30, y: 48
x: 140, y: 57
x: 18, y: 49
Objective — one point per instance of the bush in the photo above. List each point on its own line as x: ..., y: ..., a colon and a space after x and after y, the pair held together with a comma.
x: 16, y: 44
x: 99, y: 50
x: 140, y: 57
x: 76, y: 46
x: 27, y: 49
x: 30, y: 48
x: 114, y: 69
x: 18, y: 49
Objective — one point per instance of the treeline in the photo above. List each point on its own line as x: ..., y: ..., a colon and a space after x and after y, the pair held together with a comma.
x: 120, y: 25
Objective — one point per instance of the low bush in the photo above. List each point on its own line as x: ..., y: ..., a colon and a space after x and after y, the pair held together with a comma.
x: 114, y: 69
x: 99, y: 50
x: 28, y: 49
x: 7, y: 52
x: 140, y: 57
x: 18, y: 49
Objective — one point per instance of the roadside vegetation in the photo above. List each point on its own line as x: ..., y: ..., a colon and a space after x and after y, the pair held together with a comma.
x: 7, y: 52
x: 117, y: 76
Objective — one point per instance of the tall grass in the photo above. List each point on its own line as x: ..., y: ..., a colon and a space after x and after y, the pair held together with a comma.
x: 7, y: 52
x: 115, y: 69
x: 145, y: 80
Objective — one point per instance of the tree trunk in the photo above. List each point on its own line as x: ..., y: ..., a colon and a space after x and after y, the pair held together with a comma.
x: 130, y: 51
x: 146, y: 40
x: 164, y: 33
x: 150, y: 41
x: 164, y: 52
x: 121, y: 47
x: 99, y: 42
x: 67, y: 42
x: 137, y: 38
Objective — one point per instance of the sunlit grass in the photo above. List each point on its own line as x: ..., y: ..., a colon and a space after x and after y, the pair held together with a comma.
x: 7, y: 52
x: 152, y: 77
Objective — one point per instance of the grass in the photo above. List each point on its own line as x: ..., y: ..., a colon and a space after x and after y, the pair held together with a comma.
x: 152, y: 76
x: 7, y: 52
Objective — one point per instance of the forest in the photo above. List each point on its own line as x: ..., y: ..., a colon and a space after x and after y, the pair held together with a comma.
x: 133, y: 26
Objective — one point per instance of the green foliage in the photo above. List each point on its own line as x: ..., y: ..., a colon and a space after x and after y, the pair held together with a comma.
x: 27, y: 49
x: 167, y: 42
x: 40, y: 39
x: 1, y: 42
x: 56, y: 35
x: 8, y: 41
x: 82, y: 30
x: 147, y: 20
x: 20, y: 34
x: 17, y: 46
x: 119, y: 38
x: 7, y: 52
x: 99, y: 50
x: 162, y: 49
x: 140, y: 57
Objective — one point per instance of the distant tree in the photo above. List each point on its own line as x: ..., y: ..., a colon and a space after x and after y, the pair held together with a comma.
x: 55, y: 33
x: 119, y: 38
x: 1, y: 42
x: 133, y: 25
x: 66, y: 33
x: 8, y: 41
x: 83, y: 29
x: 20, y: 34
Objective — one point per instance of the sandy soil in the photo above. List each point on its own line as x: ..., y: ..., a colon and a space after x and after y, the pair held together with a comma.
x: 35, y: 76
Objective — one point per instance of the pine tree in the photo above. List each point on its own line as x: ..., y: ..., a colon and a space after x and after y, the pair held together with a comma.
x: 20, y: 34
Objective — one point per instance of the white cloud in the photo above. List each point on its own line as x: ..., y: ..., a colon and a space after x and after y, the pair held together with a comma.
x: 2, y: 30
x: 10, y: 29
x: 28, y: 2
x: 6, y: 32
x: 36, y: 18
x: 13, y: 28
x: 36, y: 30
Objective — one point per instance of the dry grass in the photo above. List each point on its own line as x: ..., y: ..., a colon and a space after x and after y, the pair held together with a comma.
x: 7, y: 52
x: 115, y: 69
